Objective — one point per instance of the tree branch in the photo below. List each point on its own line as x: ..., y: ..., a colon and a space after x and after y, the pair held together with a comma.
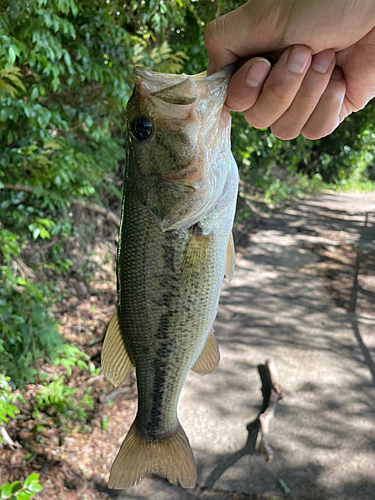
x: 272, y: 393
x: 7, y: 439
x: 85, y: 204
x: 19, y: 187
x: 100, y: 210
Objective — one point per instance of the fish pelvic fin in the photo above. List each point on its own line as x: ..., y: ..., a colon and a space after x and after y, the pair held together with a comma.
x: 172, y: 458
x: 209, y: 357
x: 116, y: 364
x: 230, y: 259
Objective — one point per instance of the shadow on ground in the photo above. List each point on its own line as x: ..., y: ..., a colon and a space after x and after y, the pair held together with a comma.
x: 278, y: 306
x: 276, y: 309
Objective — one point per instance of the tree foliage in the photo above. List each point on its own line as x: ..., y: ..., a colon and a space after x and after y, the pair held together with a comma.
x: 65, y: 78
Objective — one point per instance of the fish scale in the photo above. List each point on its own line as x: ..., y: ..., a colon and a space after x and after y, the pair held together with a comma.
x: 169, y: 272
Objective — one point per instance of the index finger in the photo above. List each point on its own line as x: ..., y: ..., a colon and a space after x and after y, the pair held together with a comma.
x: 218, y: 55
x: 250, y: 30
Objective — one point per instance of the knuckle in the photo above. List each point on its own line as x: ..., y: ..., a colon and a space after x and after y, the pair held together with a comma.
x: 239, y: 103
x: 312, y: 134
x: 313, y: 94
x: 282, y: 93
x: 209, y: 33
x: 284, y: 132
x: 240, y: 98
x: 212, y: 34
x: 315, y: 132
x: 336, y: 91
x: 256, y: 120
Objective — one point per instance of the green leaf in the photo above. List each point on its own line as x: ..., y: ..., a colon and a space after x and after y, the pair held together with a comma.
x: 38, y: 190
x: 67, y: 59
x: 34, y: 93
x: 89, y: 121
x: 11, y: 57
x: 283, y: 486
x: 23, y: 495
x: 32, y: 477
x: 16, y: 486
x: 6, y: 490
x: 35, y: 487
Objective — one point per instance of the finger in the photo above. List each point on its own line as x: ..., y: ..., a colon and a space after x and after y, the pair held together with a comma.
x: 280, y: 87
x: 219, y: 44
x: 290, y: 124
x: 252, y: 29
x: 358, y: 65
x: 326, y: 116
x: 246, y: 84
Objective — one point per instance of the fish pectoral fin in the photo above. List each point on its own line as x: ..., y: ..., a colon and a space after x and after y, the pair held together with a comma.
x: 231, y: 259
x: 209, y: 357
x: 116, y: 363
x: 195, y: 256
x: 170, y: 457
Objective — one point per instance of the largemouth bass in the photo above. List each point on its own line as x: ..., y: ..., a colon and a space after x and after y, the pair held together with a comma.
x: 175, y: 246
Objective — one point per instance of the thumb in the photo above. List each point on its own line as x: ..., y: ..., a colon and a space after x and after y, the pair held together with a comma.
x: 253, y: 29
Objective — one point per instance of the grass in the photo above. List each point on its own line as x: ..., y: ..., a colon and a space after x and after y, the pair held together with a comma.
x: 353, y: 185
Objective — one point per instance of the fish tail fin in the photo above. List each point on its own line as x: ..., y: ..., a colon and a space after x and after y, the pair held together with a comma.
x: 172, y: 458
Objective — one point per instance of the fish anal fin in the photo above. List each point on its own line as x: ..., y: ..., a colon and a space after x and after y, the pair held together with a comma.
x: 116, y: 363
x: 172, y: 457
x: 209, y: 357
x: 230, y: 261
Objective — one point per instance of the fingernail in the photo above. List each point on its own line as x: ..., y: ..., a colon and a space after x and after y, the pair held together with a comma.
x: 337, y: 73
x: 322, y: 61
x: 298, y: 59
x: 257, y: 73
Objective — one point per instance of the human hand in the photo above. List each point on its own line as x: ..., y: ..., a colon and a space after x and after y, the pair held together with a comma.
x: 304, y: 92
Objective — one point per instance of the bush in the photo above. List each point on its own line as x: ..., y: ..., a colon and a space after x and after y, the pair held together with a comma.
x: 6, y: 400
x: 21, y: 490
x: 59, y: 398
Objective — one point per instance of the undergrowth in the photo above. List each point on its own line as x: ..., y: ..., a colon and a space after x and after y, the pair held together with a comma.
x: 19, y: 490
x: 353, y: 185
x: 57, y: 400
x: 7, y: 409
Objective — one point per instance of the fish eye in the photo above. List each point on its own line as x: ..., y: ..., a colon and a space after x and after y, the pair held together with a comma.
x: 141, y: 128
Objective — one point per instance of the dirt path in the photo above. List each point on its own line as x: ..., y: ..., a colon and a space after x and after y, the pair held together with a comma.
x: 303, y: 294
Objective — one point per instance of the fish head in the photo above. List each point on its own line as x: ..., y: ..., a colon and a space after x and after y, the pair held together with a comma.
x: 173, y: 139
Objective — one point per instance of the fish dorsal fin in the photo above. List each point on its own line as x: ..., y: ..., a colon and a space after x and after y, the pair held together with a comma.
x: 209, y: 357
x: 116, y: 363
x: 231, y: 259
x: 182, y: 93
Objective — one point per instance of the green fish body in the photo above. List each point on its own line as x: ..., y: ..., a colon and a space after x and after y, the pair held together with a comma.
x: 175, y: 246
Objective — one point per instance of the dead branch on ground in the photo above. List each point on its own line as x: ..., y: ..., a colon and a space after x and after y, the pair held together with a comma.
x: 272, y: 393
